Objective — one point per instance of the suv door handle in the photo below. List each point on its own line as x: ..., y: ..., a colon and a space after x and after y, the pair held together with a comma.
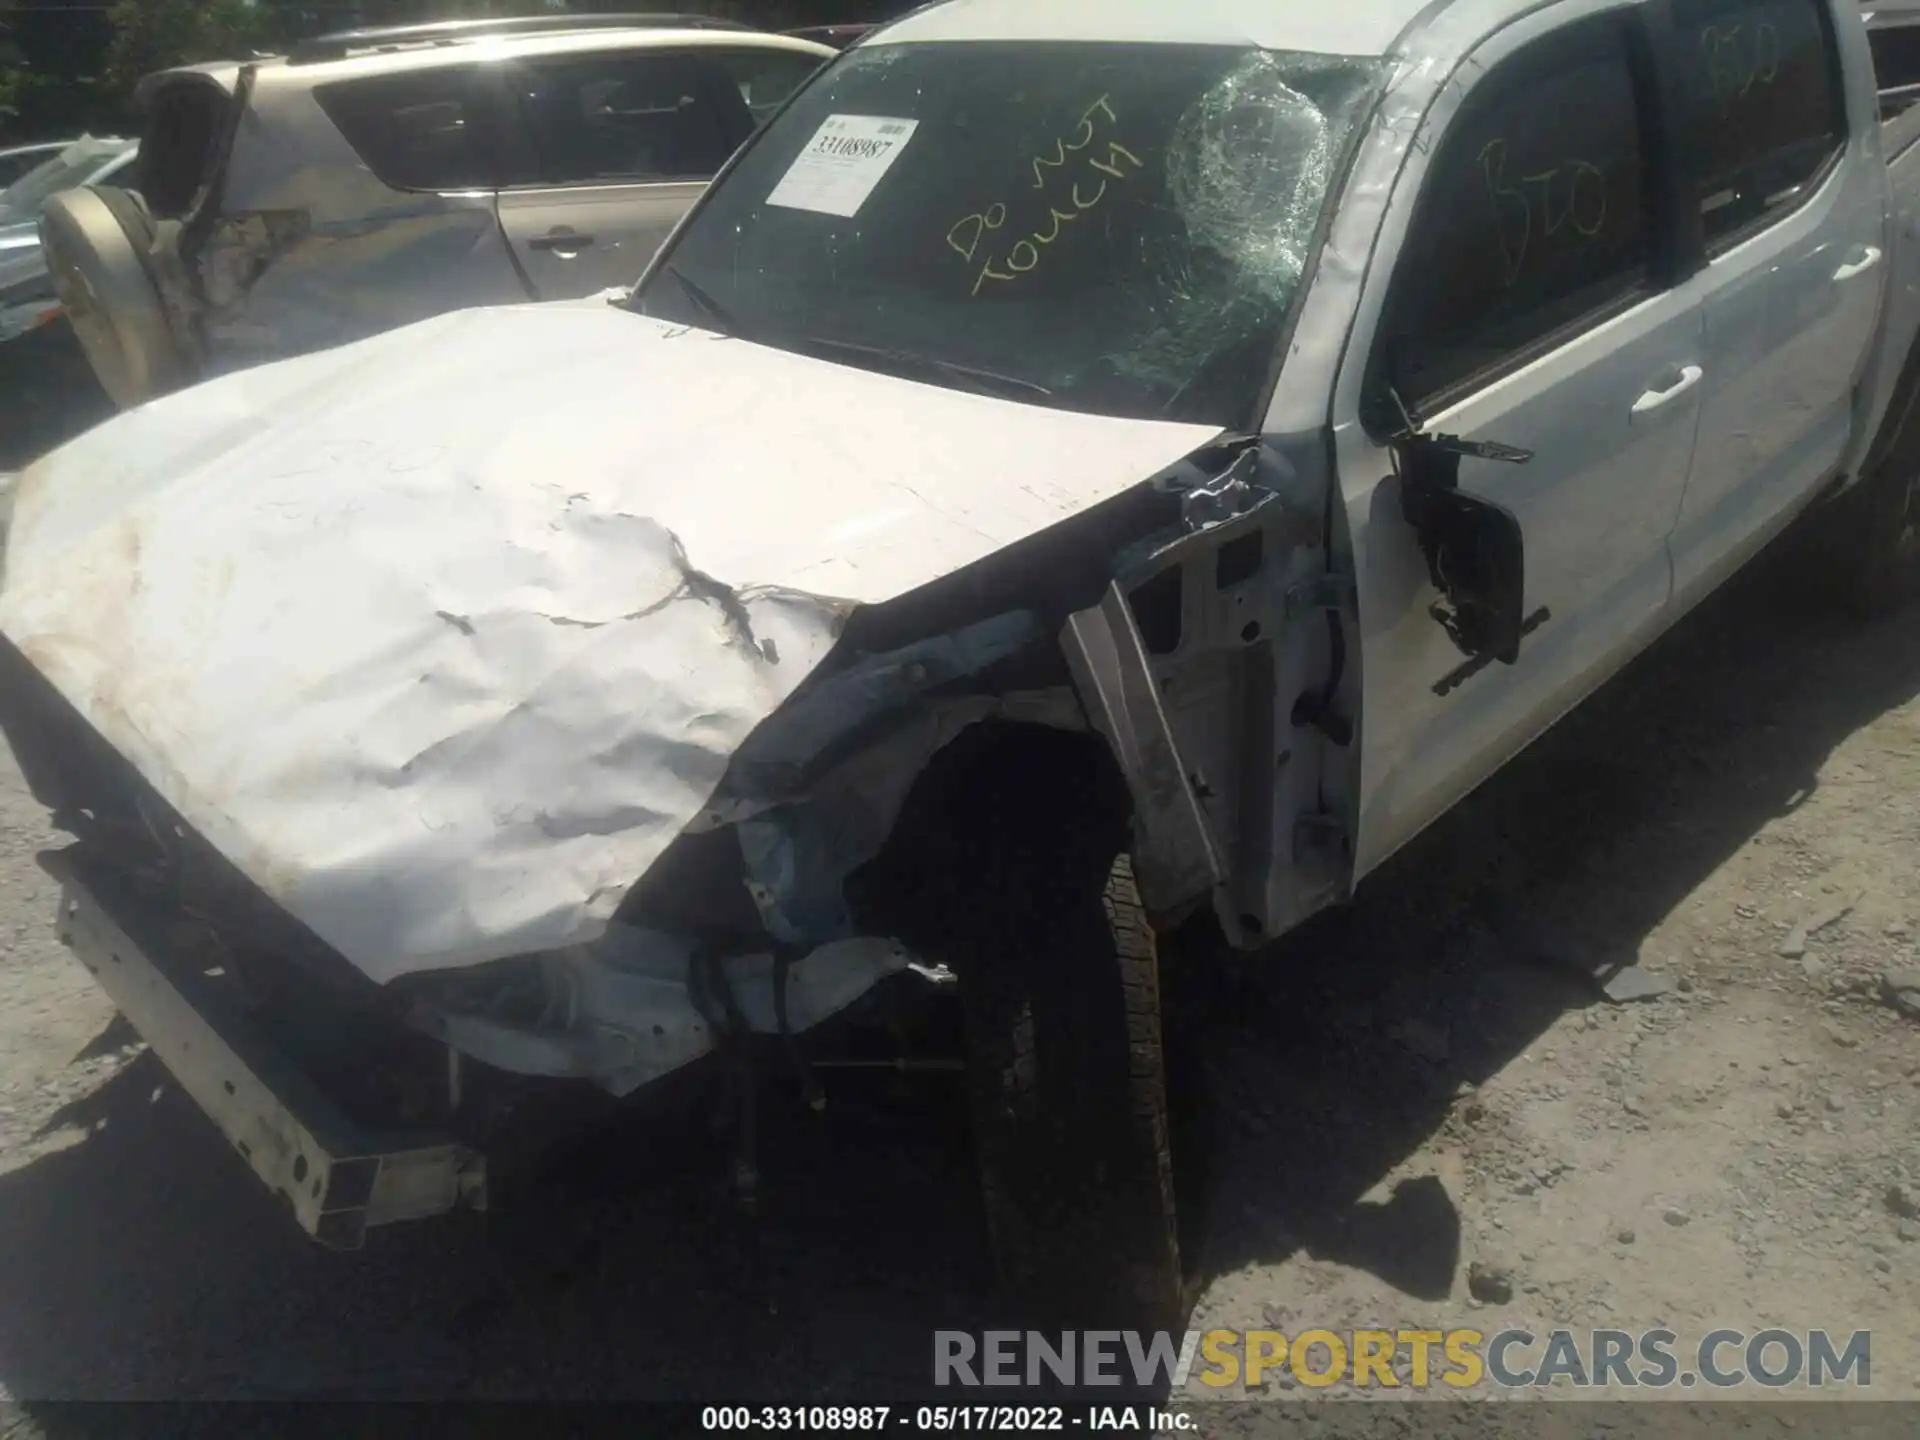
x: 560, y: 240
x: 1865, y: 258
x: 1669, y: 386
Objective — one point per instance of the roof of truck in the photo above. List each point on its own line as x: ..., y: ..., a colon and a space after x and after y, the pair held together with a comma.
x: 1354, y: 27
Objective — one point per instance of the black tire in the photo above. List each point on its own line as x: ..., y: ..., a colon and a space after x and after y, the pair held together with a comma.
x: 1868, y: 540
x: 1069, y: 1100
x: 1060, y: 989
x: 1010, y: 861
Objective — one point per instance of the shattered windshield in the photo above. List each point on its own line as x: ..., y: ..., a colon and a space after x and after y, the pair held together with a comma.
x: 24, y: 199
x: 1101, y: 227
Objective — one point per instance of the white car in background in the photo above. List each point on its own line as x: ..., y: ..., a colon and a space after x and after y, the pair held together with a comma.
x: 27, y: 298
x: 16, y: 160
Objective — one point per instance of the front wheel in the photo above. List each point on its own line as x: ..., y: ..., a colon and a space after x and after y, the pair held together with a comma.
x: 1069, y: 1096
x: 1014, y: 866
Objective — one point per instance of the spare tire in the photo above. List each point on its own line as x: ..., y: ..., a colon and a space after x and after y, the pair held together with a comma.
x: 99, y: 247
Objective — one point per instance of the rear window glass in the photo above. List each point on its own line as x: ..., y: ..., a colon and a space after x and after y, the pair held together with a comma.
x: 419, y: 131
x: 1767, y: 108
x: 185, y: 124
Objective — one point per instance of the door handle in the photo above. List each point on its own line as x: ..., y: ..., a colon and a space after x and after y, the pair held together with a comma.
x: 561, y: 241
x: 1670, y: 386
x: 1865, y: 258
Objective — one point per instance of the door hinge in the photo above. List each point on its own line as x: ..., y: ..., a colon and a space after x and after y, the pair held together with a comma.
x: 1228, y: 495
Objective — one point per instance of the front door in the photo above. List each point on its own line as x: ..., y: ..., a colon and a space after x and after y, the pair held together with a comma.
x: 1527, y: 304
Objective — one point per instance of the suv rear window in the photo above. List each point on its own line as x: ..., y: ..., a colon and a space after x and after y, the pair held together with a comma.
x: 185, y: 123
x: 422, y: 130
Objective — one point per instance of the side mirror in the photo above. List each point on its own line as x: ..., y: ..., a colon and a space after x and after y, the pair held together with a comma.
x: 1477, y: 559
x: 1475, y: 552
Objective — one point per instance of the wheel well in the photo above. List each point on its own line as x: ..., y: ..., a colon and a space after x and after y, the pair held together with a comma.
x: 993, y: 775
x: 1899, y: 416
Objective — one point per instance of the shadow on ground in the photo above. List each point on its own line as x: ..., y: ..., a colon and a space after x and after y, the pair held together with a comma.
x: 1356, y: 1035
x: 145, y: 1262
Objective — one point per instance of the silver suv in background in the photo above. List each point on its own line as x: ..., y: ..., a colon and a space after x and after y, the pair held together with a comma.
x: 372, y: 178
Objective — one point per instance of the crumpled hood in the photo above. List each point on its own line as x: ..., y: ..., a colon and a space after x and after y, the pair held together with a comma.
x: 444, y: 636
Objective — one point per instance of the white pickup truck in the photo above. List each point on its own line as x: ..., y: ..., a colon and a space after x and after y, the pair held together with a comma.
x: 1081, y: 470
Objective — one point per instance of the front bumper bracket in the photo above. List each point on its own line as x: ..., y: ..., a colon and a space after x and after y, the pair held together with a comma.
x: 338, y: 1179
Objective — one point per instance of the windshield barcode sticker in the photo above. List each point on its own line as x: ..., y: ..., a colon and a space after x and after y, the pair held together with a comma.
x: 846, y: 158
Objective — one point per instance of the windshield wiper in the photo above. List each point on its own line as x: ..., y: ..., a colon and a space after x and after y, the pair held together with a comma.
x: 986, y: 382
x: 705, y: 303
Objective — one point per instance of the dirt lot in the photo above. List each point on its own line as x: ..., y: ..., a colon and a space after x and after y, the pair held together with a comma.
x: 1420, y: 1085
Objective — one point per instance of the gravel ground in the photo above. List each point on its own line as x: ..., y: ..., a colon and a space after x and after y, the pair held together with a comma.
x: 1419, y: 1090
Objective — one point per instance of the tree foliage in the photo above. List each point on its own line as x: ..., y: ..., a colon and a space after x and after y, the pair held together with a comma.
x: 151, y: 35
x: 37, y: 100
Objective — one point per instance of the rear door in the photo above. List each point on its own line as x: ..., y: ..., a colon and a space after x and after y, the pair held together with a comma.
x: 614, y: 146
x: 1791, y: 203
